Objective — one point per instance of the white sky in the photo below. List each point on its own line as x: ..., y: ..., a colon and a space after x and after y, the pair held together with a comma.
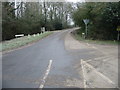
x: 63, y: 0
x: 76, y: 1
x: 46, y: 0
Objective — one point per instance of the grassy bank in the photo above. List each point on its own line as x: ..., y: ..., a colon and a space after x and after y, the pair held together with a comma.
x: 18, y: 42
x: 102, y: 42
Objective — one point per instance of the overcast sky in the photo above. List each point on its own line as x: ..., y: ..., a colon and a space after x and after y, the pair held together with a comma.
x: 76, y: 0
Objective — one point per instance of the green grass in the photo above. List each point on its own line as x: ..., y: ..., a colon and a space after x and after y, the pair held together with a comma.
x: 18, y: 42
x: 102, y: 42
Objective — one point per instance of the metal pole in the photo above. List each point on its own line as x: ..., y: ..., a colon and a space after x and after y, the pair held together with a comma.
x: 118, y: 36
x: 86, y: 30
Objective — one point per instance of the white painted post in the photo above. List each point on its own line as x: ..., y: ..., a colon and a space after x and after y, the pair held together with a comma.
x: 34, y: 35
x: 28, y: 35
x: 43, y: 29
x: 38, y: 34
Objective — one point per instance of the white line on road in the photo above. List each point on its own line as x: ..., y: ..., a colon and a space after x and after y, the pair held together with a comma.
x: 88, y: 44
x: 100, y: 74
x: 46, y: 74
x: 94, y: 47
x: 83, y: 73
x: 99, y: 58
x: 91, y: 46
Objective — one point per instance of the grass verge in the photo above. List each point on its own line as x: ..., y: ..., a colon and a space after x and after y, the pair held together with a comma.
x: 22, y: 41
x: 101, y: 42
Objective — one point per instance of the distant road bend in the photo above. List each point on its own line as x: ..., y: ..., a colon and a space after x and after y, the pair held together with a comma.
x: 61, y: 61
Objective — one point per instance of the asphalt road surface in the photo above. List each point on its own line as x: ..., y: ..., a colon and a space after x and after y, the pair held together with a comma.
x: 59, y: 61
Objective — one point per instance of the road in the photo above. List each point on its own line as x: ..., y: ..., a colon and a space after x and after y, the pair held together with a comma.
x: 61, y: 61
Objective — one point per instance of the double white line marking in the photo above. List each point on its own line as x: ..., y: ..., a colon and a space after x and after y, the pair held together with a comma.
x: 46, y: 74
x: 84, y: 63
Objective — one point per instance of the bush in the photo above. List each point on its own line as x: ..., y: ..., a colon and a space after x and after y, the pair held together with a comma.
x: 104, y: 19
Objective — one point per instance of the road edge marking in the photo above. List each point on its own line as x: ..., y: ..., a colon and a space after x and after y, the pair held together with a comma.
x: 99, y: 73
x: 46, y: 74
x: 84, y: 80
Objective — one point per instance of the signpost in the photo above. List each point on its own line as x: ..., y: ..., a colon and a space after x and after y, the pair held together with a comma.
x: 118, y: 29
x: 86, y: 21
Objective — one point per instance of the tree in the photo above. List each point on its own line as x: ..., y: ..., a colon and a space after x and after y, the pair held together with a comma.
x: 29, y: 17
x: 104, y: 19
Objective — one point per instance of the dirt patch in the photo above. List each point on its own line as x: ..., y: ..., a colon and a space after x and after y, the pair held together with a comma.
x: 71, y: 43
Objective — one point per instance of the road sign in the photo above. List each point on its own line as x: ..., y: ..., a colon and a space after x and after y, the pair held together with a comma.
x: 118, y: 28
x: 86, y: 21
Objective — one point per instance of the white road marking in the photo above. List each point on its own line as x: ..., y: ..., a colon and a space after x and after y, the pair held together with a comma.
x: 88, y: 44
x: 94, y: 47
x: 91, y: 46
x: 104, y: 59
x: 99, y: 58
x: 100, y: 74
x: 46, y: 74
x: 83, y: 73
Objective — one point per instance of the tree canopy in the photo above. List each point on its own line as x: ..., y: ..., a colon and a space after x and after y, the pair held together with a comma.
x: 29, y: 17
x: 104, y: 19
